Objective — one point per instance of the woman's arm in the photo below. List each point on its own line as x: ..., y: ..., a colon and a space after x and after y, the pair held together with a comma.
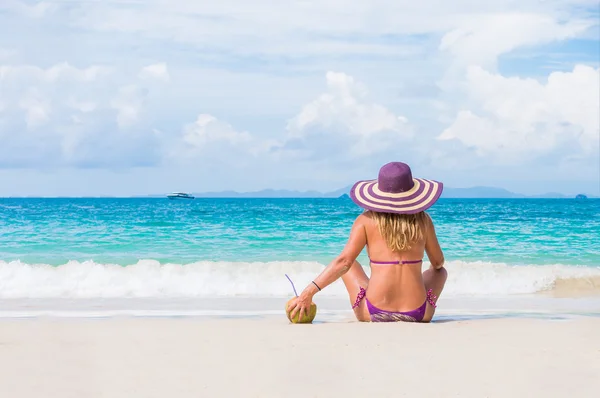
x: 338, y: 267
x: 432, y: 246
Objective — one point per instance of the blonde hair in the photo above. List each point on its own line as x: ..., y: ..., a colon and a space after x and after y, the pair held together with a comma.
x: 400, y: 231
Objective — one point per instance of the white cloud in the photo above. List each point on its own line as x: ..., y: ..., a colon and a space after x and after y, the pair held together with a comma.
x: 46, y: 94
x: 68, y: 116
x: 37, y: 109
x: 63, y: 71
x: 522, y: 118
x: 344, y: 115
x: 212, y: 144
x: 480, y: 40
x: 207, y: 129
x: 155, y: 71
x: 129, y: 103
x: 329, y: 27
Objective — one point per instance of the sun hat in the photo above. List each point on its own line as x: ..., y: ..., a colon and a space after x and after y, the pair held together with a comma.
x: 396, y: 191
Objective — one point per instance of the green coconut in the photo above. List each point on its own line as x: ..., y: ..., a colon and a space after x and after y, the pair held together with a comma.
x: 307, y: 318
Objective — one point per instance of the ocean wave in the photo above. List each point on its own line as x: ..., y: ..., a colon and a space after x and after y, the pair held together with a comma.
x: 149, y: 278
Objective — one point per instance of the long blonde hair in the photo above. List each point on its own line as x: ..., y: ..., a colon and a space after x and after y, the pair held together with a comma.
x: 400, y: 231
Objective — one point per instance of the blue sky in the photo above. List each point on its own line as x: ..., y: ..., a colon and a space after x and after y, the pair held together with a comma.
x: 137, y: 97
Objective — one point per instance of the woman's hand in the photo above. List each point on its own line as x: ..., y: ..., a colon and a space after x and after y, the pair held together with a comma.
x: 338, y: 267
x: 300, y: 304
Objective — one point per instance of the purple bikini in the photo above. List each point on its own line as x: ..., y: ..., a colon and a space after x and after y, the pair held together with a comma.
x: 378, y: 315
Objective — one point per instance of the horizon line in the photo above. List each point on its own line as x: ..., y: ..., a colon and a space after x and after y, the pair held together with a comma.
x: 306, y: 194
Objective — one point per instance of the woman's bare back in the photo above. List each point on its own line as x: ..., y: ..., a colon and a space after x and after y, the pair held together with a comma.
x: 399, y: 287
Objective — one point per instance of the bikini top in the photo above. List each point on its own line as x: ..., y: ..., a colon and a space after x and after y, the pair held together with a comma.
x: 395, y: 262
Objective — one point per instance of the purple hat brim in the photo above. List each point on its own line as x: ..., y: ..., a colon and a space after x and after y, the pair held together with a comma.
x: 424, y: 194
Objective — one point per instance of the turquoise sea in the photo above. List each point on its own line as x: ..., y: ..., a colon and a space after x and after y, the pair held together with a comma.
x: 152, y: 247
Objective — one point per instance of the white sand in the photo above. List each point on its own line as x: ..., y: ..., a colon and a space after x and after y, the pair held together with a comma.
x: 191, y: 357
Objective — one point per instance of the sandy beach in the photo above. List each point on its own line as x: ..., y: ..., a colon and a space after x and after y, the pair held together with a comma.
x: 268, y: 357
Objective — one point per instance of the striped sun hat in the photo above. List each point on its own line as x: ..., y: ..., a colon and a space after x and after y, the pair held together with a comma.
x: 396, y: 191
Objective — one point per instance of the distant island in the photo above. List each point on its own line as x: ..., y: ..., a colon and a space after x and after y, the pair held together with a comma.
x: 479, y: 192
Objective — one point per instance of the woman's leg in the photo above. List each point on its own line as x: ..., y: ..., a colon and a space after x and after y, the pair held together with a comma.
x: 354, y: 279
x: 434, y: 279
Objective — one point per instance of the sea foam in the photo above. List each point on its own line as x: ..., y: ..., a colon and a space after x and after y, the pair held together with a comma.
x: 150, y: 279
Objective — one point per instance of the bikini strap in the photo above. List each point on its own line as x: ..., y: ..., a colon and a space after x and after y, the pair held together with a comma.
x: 395, y: 262
x: 385, y: 262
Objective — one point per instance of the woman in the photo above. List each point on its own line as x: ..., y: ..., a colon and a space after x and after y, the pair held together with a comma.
x: 397, y: 233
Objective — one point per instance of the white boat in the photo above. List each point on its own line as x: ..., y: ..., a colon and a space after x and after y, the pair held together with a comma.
x: 179, y: 195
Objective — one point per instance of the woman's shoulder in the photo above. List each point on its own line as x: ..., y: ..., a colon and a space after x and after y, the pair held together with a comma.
x: 426, y: 218
x: 428, y: 223
x: 364, y: 220
x: 366, y: 217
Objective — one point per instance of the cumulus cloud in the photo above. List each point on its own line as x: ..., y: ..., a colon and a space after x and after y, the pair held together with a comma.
x: 155, y: 71
x: 37, y: 109
x: 516, y: 117
x: 211, y: 138
x: 214, y: 146
x: 207, y: 129
x: 128, y: 104
x: 343, y: 119
x: 38, y: 96
x: 69, y: 116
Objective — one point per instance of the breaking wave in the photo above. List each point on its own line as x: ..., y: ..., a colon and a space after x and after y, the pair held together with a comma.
x: 149, y: 278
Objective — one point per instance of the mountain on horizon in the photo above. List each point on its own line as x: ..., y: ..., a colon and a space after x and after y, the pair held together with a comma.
x: 480, y: 192
x: 477, y: 192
